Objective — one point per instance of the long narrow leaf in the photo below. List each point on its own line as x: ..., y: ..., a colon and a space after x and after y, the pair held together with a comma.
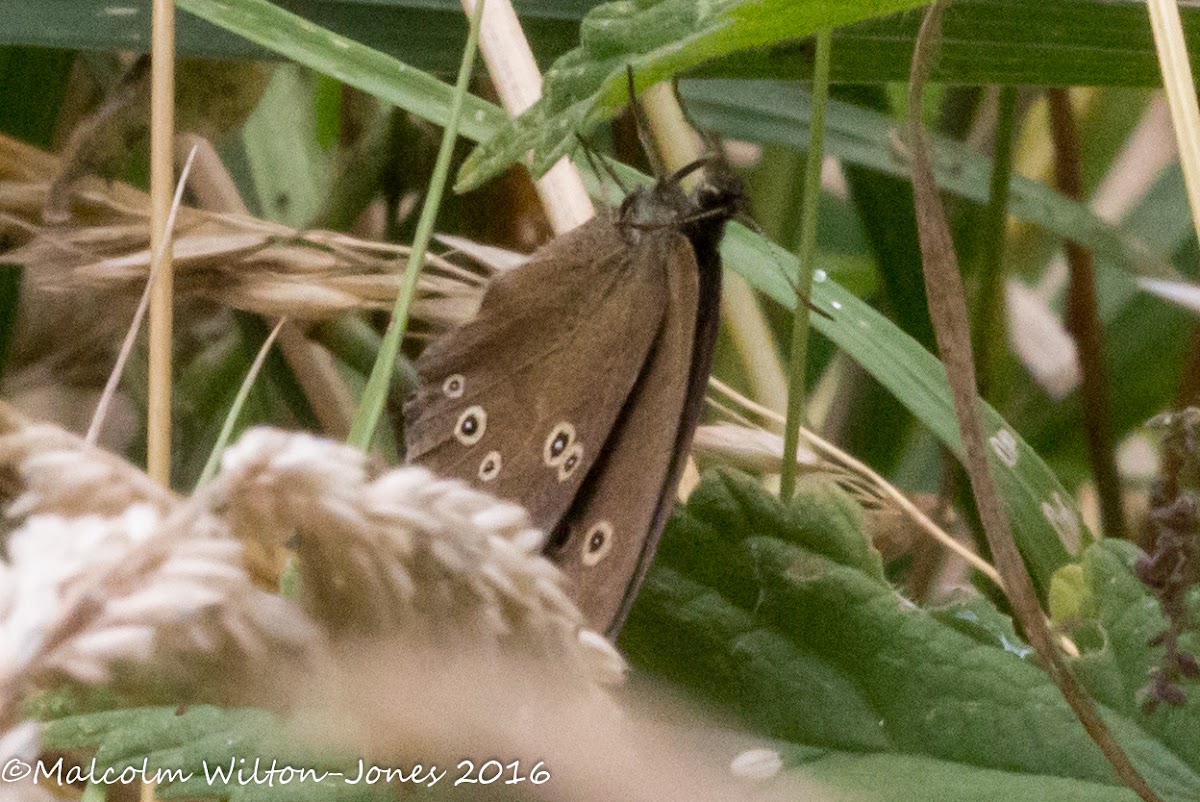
x: 348, y: 61
x: 779, y: 111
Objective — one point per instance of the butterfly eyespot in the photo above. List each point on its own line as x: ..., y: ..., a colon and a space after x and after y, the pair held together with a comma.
x: 489, y: 469
x: 454, y: 386
x: 570, y: 461
x: 471, y: 426
x: 560, y: 439
x: 597, y: 542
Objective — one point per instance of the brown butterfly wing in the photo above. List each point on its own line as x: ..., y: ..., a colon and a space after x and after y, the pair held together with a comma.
x: 557, y: 347
x: 608, y: 538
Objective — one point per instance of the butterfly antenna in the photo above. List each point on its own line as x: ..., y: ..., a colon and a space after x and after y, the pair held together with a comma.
x: 803, y: 297
x: 645, y: 135
x: 596, y: 161
x: 689, y: 168
x: 749, y: 222
x: 752, y: 224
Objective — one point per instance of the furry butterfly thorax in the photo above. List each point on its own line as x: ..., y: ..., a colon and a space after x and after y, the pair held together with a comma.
x: 577, y: 387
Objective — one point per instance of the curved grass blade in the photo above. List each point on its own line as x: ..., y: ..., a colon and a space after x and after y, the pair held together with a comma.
x: 1046, y: 523
x: 348, y: 61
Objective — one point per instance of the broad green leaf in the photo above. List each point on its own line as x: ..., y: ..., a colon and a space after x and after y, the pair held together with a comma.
x: 657, y: 41
x: 1127, y: 616
x: 883, y: 777
x: 748, y: 598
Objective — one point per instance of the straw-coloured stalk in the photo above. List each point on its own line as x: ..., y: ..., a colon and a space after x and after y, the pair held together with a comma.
x: 162, y: 184
x: 1181, y: 93
x: 374, y: 396
x: 518, y: 83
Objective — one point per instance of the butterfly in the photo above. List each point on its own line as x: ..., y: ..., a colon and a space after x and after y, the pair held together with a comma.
x: 577, y: 387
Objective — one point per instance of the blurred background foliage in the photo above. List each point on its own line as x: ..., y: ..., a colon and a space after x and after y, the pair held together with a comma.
x: 312, y: 151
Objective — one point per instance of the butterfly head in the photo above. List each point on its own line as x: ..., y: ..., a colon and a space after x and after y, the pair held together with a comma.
x: 700, y: 213
x: 717, y: 199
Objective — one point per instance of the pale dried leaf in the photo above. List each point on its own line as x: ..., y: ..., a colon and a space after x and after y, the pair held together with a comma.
x: 749, y: 448
x: 1180, y: 293
x: 1040, y: 340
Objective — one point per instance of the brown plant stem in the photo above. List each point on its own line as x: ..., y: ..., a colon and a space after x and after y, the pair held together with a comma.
x: 948, y: 310
x: 162, y: 185
x: 990, y: 335
x: 1083, y: 322
x: 1188, y: 394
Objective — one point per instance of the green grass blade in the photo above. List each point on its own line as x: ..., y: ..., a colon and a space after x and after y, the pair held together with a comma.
x: 374, y: 398
x: 348, y: 61
x: 798, y: 354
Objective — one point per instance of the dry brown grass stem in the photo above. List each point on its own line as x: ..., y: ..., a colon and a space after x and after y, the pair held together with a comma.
x: 162, y: 293
x: 874, y: 484
x: 948, y: 310
x: 1086, y: 327
x: 156, y: 266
